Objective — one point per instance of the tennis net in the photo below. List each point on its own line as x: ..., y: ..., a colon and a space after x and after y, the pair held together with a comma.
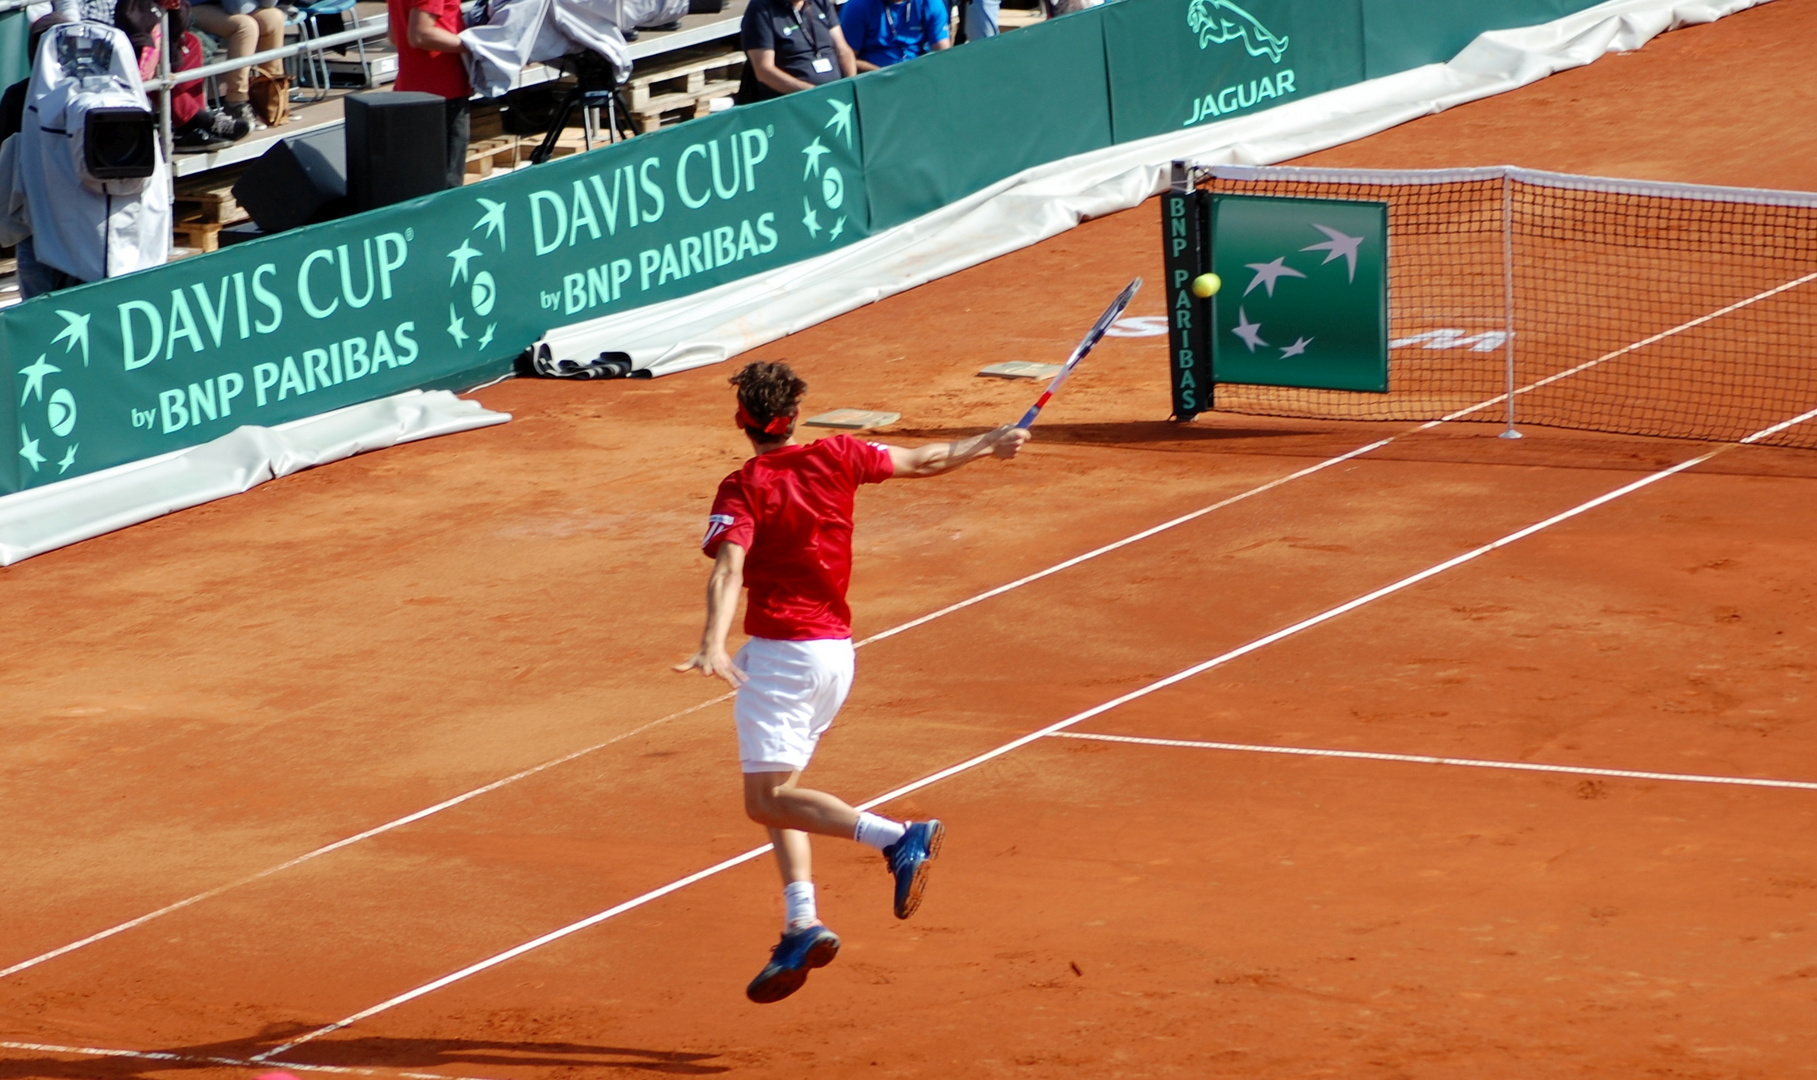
x: 1636, y: 307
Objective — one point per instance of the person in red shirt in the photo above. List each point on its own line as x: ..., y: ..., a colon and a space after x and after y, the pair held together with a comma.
x: 781, y: 527
x: 426, y: 34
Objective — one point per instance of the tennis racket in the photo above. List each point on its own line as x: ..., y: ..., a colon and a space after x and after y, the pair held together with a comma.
x: 1091, y: 338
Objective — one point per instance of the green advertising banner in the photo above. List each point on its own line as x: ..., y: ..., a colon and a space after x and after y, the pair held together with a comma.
x: 1305, y: 297
x: 1179, y: 63
x: 436, y: 291
x: 11, y: 431
x: 15, y: 59
x: 942, y: 127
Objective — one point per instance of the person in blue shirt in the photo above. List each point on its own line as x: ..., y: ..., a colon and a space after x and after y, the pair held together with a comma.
x: 885, y: 32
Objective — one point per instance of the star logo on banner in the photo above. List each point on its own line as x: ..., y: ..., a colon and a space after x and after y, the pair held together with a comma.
x: 1336, y: 246
x: 493, y: 221
x: 824, y: 171
x: 69, y: 458
x: 1251, y: 333
x: 28, y: 449
x: 815, y: 151
x: 485, y: 339
x: 841, y: 123
x: 457, y: 327
x: 75, y: 330
x: 34, y: 378
x: 462, y: 255
x: 1268, y: 273
x: 1313, y: 315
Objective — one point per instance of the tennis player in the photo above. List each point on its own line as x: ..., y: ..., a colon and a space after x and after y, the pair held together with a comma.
x: 781, y: 527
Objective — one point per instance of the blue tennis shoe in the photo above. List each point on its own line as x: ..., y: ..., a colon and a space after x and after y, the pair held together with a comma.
x: 909, y: 858
x: 800, y: 951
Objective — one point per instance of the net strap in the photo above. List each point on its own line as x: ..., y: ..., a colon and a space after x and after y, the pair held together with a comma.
x: 1537, y: 177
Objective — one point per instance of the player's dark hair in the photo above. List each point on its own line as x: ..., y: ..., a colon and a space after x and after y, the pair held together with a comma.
x: 768, y: 390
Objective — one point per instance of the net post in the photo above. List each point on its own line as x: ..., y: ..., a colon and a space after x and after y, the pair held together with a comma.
x: 1508, y: 296
x: 1185, y: 256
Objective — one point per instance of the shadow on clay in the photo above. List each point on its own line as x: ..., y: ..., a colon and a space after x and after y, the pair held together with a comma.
x: 1116, y: 433
x: 379, y: 1057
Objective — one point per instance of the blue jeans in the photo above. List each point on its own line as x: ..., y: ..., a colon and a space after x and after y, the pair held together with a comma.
x: 980, y: 19
x: 35, y: 278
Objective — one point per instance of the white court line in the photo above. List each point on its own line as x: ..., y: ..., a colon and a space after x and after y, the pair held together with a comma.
x: 999, y: 590
x: 1033, y: 736
x: 243, y: 1063
x: 1422, y: 759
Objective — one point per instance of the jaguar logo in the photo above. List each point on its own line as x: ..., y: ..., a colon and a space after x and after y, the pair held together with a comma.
x: 1220, y: 21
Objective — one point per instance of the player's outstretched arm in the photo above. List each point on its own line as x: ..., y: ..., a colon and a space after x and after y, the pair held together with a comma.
x: 722, y: 603
x: 936, y: 458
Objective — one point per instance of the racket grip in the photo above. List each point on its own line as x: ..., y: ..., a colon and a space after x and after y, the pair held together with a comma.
x: 1028, y: 417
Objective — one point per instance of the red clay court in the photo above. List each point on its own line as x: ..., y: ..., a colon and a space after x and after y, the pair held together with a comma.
x: 474, y: 634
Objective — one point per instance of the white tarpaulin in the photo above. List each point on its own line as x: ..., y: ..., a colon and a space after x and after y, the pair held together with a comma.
x: 46, y: 518
x: 519, y: 33
x: 711, y: 326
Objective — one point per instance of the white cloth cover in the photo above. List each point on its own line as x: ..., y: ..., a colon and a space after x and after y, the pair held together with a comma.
x: 711, y: 326
x: 89, y: 228
x: 43, y: 519
x: 523, y: 32
x: 653, y: 12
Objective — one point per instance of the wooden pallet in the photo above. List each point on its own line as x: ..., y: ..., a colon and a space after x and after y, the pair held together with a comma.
x: 679, y: 86
x: 210, y: 199
x: 669, y: 109
x: 200, y: 235
x: 502, y: 151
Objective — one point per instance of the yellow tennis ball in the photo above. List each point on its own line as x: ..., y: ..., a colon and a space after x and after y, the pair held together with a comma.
x: 1206, y: 286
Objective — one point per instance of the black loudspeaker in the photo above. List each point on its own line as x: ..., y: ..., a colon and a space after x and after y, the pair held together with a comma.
x: 397, y: 147
x: 300, y: 181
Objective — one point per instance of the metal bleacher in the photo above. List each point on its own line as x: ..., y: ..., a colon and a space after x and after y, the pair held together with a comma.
x: 695, y: 31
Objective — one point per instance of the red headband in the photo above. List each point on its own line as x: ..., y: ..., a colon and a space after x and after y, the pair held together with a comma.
x: 778, y: 425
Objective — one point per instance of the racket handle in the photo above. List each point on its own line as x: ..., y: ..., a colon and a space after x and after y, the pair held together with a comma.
x: 1028, y: 417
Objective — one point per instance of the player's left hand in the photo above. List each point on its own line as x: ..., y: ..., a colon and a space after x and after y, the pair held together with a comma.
x: 715, y: 663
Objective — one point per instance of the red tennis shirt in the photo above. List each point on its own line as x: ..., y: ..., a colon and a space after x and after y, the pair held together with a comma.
x: 419, y: 69
x: 791, y: 510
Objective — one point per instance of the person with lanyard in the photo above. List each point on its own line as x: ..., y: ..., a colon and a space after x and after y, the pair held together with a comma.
x: 885, y: 32
x: 791, y: 45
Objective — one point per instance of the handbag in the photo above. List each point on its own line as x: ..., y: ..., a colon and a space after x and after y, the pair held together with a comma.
x: 270, y: 96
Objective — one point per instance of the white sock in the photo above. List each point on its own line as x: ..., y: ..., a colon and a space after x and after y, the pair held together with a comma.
x: 798, y: 904
x: 878, y: 832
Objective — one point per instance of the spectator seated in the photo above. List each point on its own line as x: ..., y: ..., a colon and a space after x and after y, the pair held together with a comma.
x: 885, y: 32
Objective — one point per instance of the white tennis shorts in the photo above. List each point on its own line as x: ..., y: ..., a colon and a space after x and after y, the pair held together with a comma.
x: 794, y: 691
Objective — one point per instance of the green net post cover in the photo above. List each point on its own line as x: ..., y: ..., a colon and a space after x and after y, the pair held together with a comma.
x: 1184, y: 251
x: 1305, y: 296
